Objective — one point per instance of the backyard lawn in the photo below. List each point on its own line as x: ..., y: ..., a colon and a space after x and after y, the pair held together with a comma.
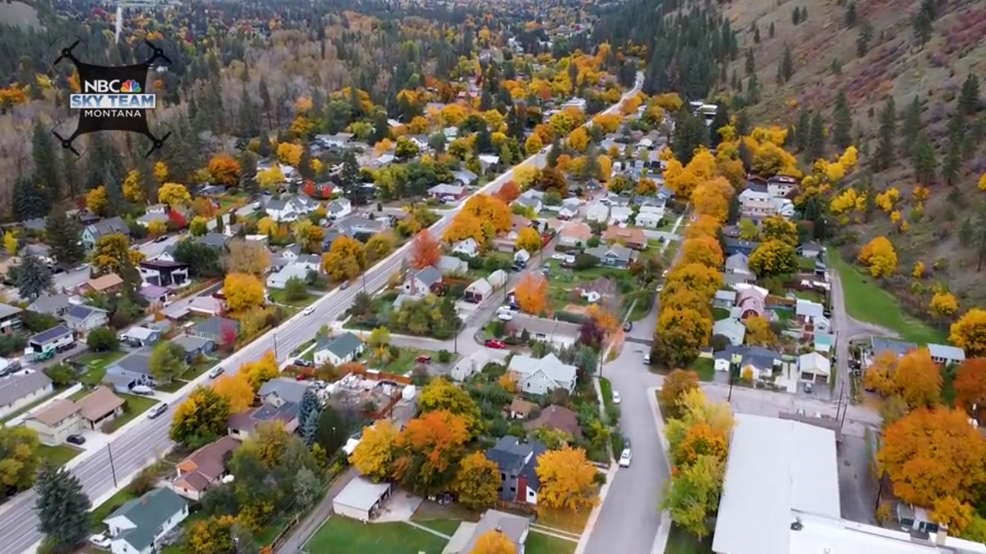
x: 97, y: 362
x: 866, y: 301
x: 340, y: 535
x: 405, y: 362
x: 538, y: 543
x: 682, y: 542
x: 58, y: 455
x: 443, y: 526
x: 705, y: 368
x: 135, y: 406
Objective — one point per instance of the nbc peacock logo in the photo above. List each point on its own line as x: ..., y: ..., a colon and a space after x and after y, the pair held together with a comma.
x: 130, y: 86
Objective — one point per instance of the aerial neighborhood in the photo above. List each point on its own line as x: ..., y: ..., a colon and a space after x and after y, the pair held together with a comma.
x: 485, y: 279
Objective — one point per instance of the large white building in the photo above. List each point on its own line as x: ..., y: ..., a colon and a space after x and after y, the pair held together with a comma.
x: 781, y: 496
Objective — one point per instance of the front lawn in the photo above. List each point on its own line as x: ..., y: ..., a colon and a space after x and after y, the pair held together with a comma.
x: 97, y: 362
x: 443, y: 526
x: 538, y: 543
x: 103, y: 511
x: 866, y: 301
x: 706, y: 369
x: 806, y: 264
x: 404, y: 363
x: 135, y: 406
x: 281, y: 297
x: 341, y: 535
x: 683, y: 542
x: 58, y: 455
x: 719, y: 314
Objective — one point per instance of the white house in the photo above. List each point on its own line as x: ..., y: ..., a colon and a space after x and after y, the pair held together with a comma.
x: 814, y: 367
x: 946, y: 355
x: 279, y: 280
x: 531, y: 200
x: 467, y: 247
x: 649, y: 219
x: 731, y: 328
x: 138, y: 526
x: 21, y: 390
x: 541, y: 376
x: 421, y: 282
x: 597, y: 211
x: 338, y: 350
x: 339, y: 208
x: 287, y: 209
x: 620, y: 214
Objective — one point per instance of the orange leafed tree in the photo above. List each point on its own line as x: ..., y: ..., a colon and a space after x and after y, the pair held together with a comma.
x: 712, y: 198
x: 970, y: 384
x: 702, y: 279
x: 933, y: 454
x: 224, y: 170
x: 237, y: 390
x: 488, y: 208
x: 493, y: 542
x: 915, y: 378
x: 429, y: 445
x: 704, y: 250
x: 704, y: 226
x: 532, y: 293
x: 425, y: 251
x: 676, y: 385
x: 508, y: 192
x: 464, y: 226
x: 567, y: 480
x: 701, y: 439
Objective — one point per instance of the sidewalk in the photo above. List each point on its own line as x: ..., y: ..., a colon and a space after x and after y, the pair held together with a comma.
x: 661, y: 539
x: 310, y: 525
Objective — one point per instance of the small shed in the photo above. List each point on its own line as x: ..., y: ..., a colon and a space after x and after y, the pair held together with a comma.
x: 360, y: 499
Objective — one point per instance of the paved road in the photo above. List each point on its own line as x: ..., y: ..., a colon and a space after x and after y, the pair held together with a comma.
x: 141, y: 444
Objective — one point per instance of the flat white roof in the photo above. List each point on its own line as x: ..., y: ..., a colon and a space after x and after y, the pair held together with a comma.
x: 841, y: 536
x: 775, y: 467
x: 361, y: 494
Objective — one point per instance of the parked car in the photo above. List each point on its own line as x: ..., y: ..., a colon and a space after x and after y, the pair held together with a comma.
x: 142, y: 390
x: 75, y: 439
x: 300, y: 377
x: 301, y: 362
x: 156, y: 411
x: 162, y: 238
x: 809, y: 388
x: 647, y: 358
x: 616, y: 397
x: 505, y: 316
x: 423, y: 359
x: 102, y: 541
x: 309, y: 310
x: 494, y: 343
x: 216, y: 372
x: 627, y: 456
x: 344, y: 285
x: 628, y: 326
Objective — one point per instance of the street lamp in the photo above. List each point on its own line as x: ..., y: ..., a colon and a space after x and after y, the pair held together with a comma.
x: 734, y: 365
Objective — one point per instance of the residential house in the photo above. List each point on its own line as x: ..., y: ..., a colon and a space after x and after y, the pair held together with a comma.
x: 242, y: 425
x: 163, y: 274
x: 531, y: 201
x: 470, y: 365
x: 814, y: 367
x: 649, y: 219
x: 898, y: 348
x: 157, y: 212
x: 511, y: 456
x: 566, y: 213
x: 761, y: 362
x: 22, y: 390
x: 218, y: 241
x: 51, y: 304
x: 514, y: 528
x: 218, y: 329
x: 574, y: 235
x: 731, y: 328
x: 751, y: 301
x: 203, y: 468
x: 467, y: 247
x: 620, y: 215
x: 520, y: 408
x: 356, y: 226
x: 630, y: 237
x: 139, y: 336
x: 555, y: 332
x: 824, y: 342
x: 614, y: 255
x: 756, y: 204
x: 486, y: 161
x: 279, y: 279
x: 724, y: 299
x: 280, y: 391
x: 339, y: 349
x: 63, y: 417
x: 541, y: 376
x: 946, y: 355
x: 339, y: 208
x: 422, y: 282
x: 477, y: 291
x: 40, y: 251
x: 597, y: 211
x: 338, y: 140
x: 10, y: 318
x: 36, y: 225
x: 52, y: 339
x: 745, y: 247
x: 811, y: 315
x: 463, y: 177
x: 497, y: 279
x: 780, y: 186
x: 95, y: 231
x: 446, y: 192
x: 450, y: 265
x: 287, y: 209
x: 155, y: 295
x: 83, y: 319
x: 140, y: 525
x: 194, y: 347
x: 111, y: 283
x: 131, y: 370
x: 739, y: 263
x: 206, y: 306
x: 557, y: 418
x: 811, y: 250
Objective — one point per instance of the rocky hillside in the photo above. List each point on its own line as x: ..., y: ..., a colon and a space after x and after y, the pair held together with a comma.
x: 874, y: 50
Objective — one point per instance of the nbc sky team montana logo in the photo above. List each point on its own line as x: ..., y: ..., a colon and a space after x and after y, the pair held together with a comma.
x: 111, y: 98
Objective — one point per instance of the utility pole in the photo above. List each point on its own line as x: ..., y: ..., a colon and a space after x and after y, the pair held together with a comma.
x: 275, y: 345
x: 734, y: 364
x: 109, y: 450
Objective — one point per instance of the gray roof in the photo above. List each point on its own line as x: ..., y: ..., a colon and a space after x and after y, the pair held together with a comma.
x: 618, y: 250
x: 897, y: 347
x: 554, y: 368
x: 216, y: 240
x: 738, y: 260
x: 753, y: 355
x: 213, y: 326
x: 149, y: 513
x: 49, y: 303
x: 530, y: 468
x: 768, y: 492
x: 514, y: 527
x: 7, y: 310
x: 78, y: 314
x: 509, y: 454
x: 287, y: 389
x: 109, y: 226
x: 135, y: 362
x: 50, y: 334
x: 429, y: 276
x: 361, y: 494
x: 444, y: 188
x: 190, y: 343
x: 342, y: 345
x: 17, y: 386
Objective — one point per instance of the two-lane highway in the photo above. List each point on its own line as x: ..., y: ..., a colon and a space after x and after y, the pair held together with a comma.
x: 141, y: 444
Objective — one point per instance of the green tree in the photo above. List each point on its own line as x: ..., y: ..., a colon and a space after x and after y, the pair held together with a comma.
x: 816, y: 139
x: 911, y: 127
x: 295, y: 289
x: 693, y: 495
x: 33, y: 277
x: 19, y: 457
x: 954, y: 149
x: 851, y: 15
x: 201, y: 418
x: 864, y: 38
x: 102, y: 339
x: 924, y: 21
x: 883, y: 157
x: 308, y: 414
x: 167, y: 362
x: 785, y: 69
x: 802, y: 129
x: 62, y: 234
x: 969, y: 100
x: 923, y: 159
x: 62, y: 508
x: 841, y: 122
x: 587, y: 359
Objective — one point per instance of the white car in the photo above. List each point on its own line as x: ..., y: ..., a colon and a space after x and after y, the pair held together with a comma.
x: 627, y: 456
x: 100, y: 540
x: 616, y: 397
x: 505, y: 316
x: 309, y: 310
x: 156, y: 411
x: 558, y: 256
x: 216, y: 372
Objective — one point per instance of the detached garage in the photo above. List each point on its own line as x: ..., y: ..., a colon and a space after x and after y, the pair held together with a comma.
x: 360, y: 499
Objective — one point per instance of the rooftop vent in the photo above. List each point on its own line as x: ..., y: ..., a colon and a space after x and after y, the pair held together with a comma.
x: 796, y: 525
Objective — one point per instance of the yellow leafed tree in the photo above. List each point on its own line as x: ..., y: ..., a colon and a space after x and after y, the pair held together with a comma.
x: 567, y: 480
x: 237, y: 390
x: 243, y: 291
x: 174, y: 195
x: 374, y: 455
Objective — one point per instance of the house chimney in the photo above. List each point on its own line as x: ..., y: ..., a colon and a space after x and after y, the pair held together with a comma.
x: 941, y: 535
x: 796, y: 524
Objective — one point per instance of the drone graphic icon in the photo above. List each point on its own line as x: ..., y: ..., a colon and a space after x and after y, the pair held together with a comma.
x: 92, y: 121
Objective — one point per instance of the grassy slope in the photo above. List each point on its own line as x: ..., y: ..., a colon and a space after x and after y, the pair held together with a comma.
x: 893, y: 66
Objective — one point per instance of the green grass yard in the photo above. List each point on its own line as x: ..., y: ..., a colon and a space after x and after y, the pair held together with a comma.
x: 866, y: 301
x: 719, y: 313
x: 341, y: 535
x: 443, y: 526
x: 538, y: 543
x: 97, y: 362
x: 58, y: 455
x: 280, y: 297
x: 103, y: 511
x: 705, y: 368
x: 135, y: 406
x: 683, y: 542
